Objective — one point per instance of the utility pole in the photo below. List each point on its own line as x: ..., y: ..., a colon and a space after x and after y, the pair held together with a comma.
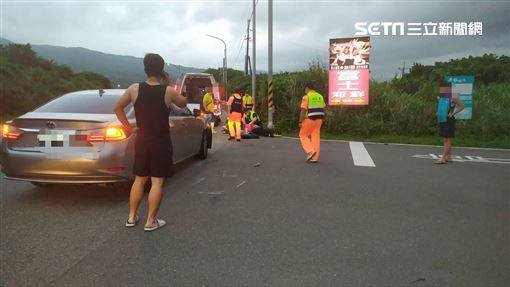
x: 247, y: 64
x: 403, y: 70
x: 270, y: 108
x: 225, y: 68
x: 254, y: 59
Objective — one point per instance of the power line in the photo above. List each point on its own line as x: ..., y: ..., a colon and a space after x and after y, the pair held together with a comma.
x: 251, y: 14
x: 243, y: 37
x: 239, y: 51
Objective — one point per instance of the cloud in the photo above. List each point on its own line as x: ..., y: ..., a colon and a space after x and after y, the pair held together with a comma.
x: 302, y: 29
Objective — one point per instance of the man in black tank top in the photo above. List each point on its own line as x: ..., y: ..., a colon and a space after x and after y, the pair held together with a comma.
x: 153, y: 146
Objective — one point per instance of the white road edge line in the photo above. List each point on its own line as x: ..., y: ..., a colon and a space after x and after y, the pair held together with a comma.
x: 403, y: 144
x: 360, y: 155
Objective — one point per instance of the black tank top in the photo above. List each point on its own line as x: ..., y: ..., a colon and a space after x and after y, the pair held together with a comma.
x: 151, y: 111
x: 237, y: 105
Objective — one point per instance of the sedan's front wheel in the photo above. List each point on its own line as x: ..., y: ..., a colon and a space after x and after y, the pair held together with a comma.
x: 204, y: 147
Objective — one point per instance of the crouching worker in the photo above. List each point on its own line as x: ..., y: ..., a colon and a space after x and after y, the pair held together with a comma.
x: 153, y: 146
x: 208, y: 103
x: 310, y: 122
x: 253, y: 124
x: 235, y: 107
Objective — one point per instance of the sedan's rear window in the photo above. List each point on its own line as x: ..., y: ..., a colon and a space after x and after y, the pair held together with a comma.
x: 82, y: 103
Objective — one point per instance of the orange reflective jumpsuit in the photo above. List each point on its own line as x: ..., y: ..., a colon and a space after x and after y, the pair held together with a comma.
x: 235, y: 104
x: 310, y: 133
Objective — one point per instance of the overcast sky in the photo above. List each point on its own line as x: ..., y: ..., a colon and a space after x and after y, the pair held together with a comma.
x: 302, y: 29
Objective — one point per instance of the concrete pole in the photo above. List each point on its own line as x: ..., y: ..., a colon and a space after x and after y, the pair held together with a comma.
x: 254, y: 59
x: 246, y: 68
x: 225, y: 66
x: 270, y: 108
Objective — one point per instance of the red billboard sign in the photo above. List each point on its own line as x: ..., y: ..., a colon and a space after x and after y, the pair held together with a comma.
x: 349, y: 71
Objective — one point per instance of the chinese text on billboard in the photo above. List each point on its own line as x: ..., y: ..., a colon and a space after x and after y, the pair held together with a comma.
x: 349, y: 71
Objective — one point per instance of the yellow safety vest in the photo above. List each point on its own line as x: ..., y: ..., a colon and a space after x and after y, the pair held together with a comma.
x: 251, y: 116
x: 248, y: 101
x: 208, y: 103
x: 316, y: 106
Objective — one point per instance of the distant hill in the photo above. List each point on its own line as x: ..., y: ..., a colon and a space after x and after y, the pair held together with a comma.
x: 4, y: 42
x: 119, y: 69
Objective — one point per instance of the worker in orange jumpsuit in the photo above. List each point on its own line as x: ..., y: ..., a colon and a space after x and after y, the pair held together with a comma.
x: 310, y: 122
x: 235, y: 107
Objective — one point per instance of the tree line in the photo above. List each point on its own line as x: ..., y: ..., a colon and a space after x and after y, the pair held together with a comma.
x: 405, y: 105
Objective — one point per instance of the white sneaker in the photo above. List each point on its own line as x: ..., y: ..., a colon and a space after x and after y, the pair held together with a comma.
x: 310, y: 155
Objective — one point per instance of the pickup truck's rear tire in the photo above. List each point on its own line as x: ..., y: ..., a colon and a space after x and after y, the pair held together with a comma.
x: 204, y: 146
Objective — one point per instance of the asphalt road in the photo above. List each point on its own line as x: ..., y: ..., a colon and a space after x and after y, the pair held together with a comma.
x: 404, y: 222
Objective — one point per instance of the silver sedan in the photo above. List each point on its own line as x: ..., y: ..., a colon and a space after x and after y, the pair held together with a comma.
x: 76, y: 138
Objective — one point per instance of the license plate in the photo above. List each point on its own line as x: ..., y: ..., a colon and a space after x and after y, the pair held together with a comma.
x: 53, y: 140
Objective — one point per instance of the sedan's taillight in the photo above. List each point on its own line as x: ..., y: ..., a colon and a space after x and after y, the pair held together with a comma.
x: 115, y: 134
x: 10, y: 132
x: 104, y: 135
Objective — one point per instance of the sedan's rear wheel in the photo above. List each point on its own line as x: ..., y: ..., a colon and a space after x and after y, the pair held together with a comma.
x: 204, y: 147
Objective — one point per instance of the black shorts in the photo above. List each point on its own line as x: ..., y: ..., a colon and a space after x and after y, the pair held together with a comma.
x: 153, y: 157
x: 447, y: 129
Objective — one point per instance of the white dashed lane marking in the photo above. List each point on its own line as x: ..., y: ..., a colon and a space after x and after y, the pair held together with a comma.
x: 360, y: 155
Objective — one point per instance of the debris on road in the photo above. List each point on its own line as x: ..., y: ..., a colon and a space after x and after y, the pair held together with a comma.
x: 257, y: 164
x: 198, y: 181
x: 211, y: 192
x: 418, y: 280
x: 239, y: 185
x: 228, y: 175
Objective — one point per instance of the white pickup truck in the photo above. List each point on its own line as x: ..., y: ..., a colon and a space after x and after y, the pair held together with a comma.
x: 191, y: 85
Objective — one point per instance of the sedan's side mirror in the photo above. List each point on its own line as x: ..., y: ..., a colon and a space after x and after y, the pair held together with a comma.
x: 196, y: 113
